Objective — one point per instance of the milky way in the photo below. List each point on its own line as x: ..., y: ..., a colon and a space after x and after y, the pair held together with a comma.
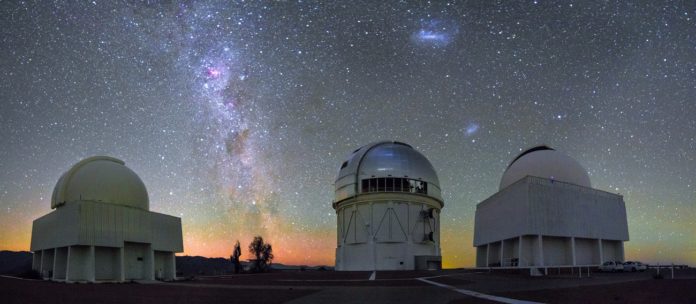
x: 236, y: 115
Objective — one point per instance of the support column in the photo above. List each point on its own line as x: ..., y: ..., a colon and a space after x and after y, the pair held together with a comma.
x: 621, y: 251
x: 47, y: 261
x: 339, y: 240
x: 67, y: 265
x: 150, y: 264
x: 342, y: 238
x: 370, y: 232
x: 519, y: 251
x: 488, y: 254
x: 91, y: 263
x: 343, y: 244
x: 502, y: 260
x: 80, y: 264
x: 572, y: 248
x: 172, y: 267
x: 41, y: 263
x: 60, y: 262
x: 541, y: 250
x: 122, y: 273
x: 36, y: 261
x: 55, y: 259
x: 601, y: 253
x: 343, y: 257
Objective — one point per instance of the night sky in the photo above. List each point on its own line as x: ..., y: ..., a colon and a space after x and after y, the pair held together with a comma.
x: 237, y: 115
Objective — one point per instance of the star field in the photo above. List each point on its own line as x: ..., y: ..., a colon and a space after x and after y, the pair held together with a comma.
x: 237, y: 115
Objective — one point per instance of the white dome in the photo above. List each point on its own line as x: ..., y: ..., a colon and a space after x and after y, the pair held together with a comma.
x: 545, y: 162
x: 101, y: 179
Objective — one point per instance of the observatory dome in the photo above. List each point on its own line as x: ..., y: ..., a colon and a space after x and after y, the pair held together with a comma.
x: 545, y: 162
x: 388, y: 204
x: 389, y: 159
x: 101, y: 179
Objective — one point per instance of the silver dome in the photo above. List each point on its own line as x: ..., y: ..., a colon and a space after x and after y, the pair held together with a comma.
x: 383, y: 160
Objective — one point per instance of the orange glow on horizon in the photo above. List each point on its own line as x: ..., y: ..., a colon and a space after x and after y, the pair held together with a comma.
x: 294, y: 244
x: 285, y: 250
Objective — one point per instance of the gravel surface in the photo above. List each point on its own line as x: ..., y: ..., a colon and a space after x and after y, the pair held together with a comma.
x: 650, y: 291
x: 447, y: 286
x: 22, y: 291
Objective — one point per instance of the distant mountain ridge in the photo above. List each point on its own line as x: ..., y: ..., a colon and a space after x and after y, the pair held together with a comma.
x: 198, y: 265
x: 18, y: 262
x: 15, y: 262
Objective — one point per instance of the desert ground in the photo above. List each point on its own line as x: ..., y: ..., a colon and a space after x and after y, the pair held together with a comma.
x: 447, y: 286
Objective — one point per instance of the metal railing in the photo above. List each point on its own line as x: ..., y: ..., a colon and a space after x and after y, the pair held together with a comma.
x: 393, y: 184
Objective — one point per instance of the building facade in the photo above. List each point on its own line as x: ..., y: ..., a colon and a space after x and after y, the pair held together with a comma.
x: 102, y: 229
x: 546, y: 214
x: 388, y: 203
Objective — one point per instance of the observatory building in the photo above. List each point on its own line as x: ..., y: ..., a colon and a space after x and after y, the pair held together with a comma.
x: 102, y: 229
x: 546, y: 214
x: 388, y: 205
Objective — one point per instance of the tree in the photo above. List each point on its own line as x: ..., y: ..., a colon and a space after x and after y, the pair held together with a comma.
x: 236, y: 253
x: 263, y: 253
x: 267, y: 255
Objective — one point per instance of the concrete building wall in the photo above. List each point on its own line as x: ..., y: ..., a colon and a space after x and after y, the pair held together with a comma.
x: 114, y: 231
x: 386, y: 234
x: 621, y: 254
x: 135, y: 261
x: 586, y: 252
x: 356, y: 257
x: 107, y: 225
x: 612, y: 250
x: 556, y: 211
x: 138, y: 261
x: 561, y: 209
x: 394, y: 256
x: 529, y: 250
x: 570, y: 250
x: 540, y: 206
x: 556, y: 251
x: 494, y: 258
x: 56, y: 229
x: 383, y: 256
x: 481, y: 256
x: 107, y: 263
x: 502, y: 216
x: 166, y: 233
x: 546, y: 251
x: 36, y: 261
x: 536, y: 250
x: 80, y: 263
x: 47, y: 259
x: 165, y: 266
x: 510, y: 252
x: 428, y: 262
x: 60, y: 263
x: 170, y: 271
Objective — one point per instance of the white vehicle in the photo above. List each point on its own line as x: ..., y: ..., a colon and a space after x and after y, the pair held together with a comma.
x: 634, y: 266
x: 612, y: 266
